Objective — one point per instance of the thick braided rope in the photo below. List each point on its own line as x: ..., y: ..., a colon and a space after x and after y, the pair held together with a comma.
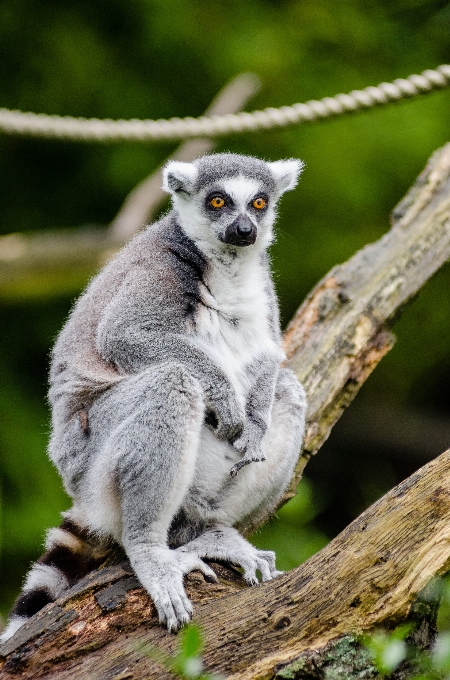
x: 96, y: 130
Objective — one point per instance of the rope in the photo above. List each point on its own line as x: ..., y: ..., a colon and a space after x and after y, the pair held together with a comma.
x: 96, y: 130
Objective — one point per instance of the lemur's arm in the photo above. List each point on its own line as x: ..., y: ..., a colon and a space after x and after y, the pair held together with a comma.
x: 133, y: 335
x: 263, y: 372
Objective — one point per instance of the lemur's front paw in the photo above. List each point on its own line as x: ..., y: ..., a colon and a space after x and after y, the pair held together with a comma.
x: 249, y: 444
x: 226, y: 420
x: 162, y: 577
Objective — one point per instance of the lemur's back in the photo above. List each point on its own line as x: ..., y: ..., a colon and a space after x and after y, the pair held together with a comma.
x: 78, y: 370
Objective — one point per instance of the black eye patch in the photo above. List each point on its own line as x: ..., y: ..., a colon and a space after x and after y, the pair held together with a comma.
x: 216, y: 201
x: 259, y: 203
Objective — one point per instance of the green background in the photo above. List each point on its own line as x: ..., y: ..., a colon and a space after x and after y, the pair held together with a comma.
x: 163, y: 58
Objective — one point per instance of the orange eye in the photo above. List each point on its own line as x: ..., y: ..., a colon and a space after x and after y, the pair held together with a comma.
x: 259, y: 203
x: 217, y: 202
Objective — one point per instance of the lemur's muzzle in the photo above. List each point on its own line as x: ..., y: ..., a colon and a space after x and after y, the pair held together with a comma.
x: 241, y: 232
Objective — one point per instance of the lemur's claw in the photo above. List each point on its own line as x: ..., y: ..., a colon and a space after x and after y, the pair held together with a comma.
x: 235, y: 469
x: 245, y: 461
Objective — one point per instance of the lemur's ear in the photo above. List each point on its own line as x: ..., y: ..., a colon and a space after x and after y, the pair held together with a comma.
x: 286, y: 173
x: 179, y: 177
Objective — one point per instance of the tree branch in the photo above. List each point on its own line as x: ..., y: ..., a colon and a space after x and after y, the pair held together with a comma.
x: 342, y: 330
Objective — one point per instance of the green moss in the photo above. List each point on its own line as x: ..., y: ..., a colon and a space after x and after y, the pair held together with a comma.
x: 290, y: 672
x: 347, y: 658
x: 344, y: 659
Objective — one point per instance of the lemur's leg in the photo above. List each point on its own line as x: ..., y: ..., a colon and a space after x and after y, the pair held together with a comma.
x: 155, y: 449
x: 71, y: 553
x: 264, y: 483
x: 128, y: 476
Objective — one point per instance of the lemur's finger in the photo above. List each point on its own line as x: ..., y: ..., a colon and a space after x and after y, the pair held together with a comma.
x: 182, y: 607
x: 172, y: 624
x: 207, y: 572
x: 249, y: 567
x: 250, y: 578
x: 178, y: 595
x: 264, y: 569
x: 156, y: 595
x: 180, y: 600
x: 165, y: 606
x: 191, y: 561
x: 240, y: 464
x: 167, y: 613
x: 168, y: 608
x: 269, y: 557
x: 187, y: 604
x: 247, y: 459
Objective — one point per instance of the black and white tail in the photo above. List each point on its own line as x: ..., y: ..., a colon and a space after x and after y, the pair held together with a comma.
x: 71, y: 552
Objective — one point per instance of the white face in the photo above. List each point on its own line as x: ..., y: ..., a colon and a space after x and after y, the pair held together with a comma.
x: 234, y: 213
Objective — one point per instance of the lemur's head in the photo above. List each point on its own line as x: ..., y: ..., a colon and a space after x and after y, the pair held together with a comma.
x: 229, y: 198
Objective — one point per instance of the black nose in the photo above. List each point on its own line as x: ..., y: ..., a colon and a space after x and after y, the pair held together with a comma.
x: 244, y: 225
x: 241, y: 232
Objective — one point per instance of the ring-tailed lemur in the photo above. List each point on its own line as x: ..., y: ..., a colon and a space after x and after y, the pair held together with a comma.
x: 165, y: 379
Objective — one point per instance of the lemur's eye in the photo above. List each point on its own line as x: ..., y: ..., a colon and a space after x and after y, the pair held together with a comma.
x: 259, y: 203
x: 217, y: 202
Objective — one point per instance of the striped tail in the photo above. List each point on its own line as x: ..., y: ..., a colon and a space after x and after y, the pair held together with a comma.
x: 71, y: 553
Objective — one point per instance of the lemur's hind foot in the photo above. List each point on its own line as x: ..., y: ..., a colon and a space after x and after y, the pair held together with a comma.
x: 161, y: 572
x: 225, y: 543
x: 71, y: 553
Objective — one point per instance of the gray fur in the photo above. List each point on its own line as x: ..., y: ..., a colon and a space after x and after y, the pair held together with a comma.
x: 165, y: 382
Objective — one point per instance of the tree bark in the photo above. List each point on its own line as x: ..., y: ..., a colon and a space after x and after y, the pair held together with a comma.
x: 368, y: 575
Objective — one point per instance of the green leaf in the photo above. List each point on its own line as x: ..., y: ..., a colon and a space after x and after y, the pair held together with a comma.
x: 191, y: 640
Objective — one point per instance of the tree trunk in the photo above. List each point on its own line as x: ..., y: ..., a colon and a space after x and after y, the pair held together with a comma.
x: 370, y: 574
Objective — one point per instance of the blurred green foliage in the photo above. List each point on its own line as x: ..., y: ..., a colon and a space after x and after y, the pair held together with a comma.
x: 396, y: 654
x: 161, y: 58
x: 291, y: 530
x: 187, y: 663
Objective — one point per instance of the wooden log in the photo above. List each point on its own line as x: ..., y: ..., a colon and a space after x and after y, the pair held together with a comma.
x: 370, y: 574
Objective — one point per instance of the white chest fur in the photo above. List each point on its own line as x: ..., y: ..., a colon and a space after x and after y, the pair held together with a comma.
x: 233, y: 322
